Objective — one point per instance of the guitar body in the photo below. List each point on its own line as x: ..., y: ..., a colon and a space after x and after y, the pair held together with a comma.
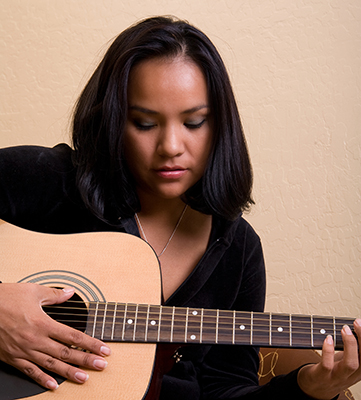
x: 101, y: 267
x: 107, y: 267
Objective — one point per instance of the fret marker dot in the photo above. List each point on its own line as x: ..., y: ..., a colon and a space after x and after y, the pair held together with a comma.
x: 152, y: 322
x: 322, y: 331
x: 280, y: 329
x: 130, y: 321
x: 194, y: 312
x: 193, y: 337
x: 242, y: 327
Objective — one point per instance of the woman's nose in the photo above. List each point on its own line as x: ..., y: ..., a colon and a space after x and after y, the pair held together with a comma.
x: 170, y: 142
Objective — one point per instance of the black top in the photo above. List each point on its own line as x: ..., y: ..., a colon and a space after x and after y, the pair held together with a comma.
x: 38, y: 192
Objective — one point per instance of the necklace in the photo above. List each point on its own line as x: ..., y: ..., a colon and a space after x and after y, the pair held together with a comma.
x: 171, y: 236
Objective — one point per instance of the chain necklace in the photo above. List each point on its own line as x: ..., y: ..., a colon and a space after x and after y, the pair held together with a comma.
x: 171, y: 236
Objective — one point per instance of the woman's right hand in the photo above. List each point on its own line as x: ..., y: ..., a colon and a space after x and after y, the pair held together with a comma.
x: 29, y: 338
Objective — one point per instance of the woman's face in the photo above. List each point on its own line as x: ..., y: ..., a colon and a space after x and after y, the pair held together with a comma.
x: 168, y: 134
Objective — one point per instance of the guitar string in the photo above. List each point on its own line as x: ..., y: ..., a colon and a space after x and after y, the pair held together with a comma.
x: 239, y: 314
x: 296, y: 327
x: 228, y: 335
x: 300, y: 337
x: 256, y: 329
x: 230, y: 312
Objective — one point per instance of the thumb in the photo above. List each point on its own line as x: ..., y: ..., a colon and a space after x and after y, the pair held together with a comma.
x: 55, y: 296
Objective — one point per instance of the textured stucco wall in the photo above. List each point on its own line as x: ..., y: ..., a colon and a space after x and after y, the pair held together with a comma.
x: 295, y: 67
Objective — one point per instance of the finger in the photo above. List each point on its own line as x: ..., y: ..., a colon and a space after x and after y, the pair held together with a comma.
x: 70, y: 356
x: 328, y: 353
x: 50, y: 296
x: 35, y: 373
x: 65, y: 334
x: 59, y: 366
x: 63, y: 369
x: 73, y: 337
x: 357, y: 327
x: 350, y: 360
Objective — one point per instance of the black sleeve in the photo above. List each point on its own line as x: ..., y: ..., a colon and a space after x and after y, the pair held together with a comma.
x: 37, y: 188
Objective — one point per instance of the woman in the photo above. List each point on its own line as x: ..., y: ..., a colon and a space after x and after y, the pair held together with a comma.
x: 159, y: 152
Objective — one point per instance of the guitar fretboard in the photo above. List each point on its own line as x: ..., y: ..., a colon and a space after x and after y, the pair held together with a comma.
x: 124, y: 322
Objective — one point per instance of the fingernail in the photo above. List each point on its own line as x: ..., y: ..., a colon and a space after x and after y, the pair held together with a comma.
x: 51, y: 385
x: 81, y: 376
x: 105, y: 351
x: 68, y: 290
x: 358, y: 322
x: 329, y: 339
x: 100, y: 364
x: 347, y: 330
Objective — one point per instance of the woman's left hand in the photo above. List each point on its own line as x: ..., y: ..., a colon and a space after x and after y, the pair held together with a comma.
x: 334, y: 373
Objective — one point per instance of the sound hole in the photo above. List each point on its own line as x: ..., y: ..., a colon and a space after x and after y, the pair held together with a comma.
x: 73, y: 312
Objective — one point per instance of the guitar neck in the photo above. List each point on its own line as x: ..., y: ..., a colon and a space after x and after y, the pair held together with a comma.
x: 124, y: 322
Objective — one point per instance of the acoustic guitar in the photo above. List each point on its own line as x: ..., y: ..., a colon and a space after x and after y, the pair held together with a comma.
x: 107, y: 266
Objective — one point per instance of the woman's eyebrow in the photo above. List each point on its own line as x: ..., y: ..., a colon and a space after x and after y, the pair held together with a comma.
x: 143, y: 110
x: 195, y: 109
x: 148, y: 111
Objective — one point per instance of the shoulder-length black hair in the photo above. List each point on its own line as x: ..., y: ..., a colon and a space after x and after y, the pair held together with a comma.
x: 103, y: 178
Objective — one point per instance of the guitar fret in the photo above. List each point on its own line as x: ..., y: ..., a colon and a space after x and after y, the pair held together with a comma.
x: 290, y: 330
x: 217, y: 323
x: 261, y: 329
x: 159, y: 322
x: 334, y: 332
x: 103, y: 327
x: 153, y: 324
x: 114, y: 319
x: 270, y: 329
x: 146, y: 324
x: 172, y: 326
x: 201, y: 329
x: 243, y: 326
x: 95, y: 318
x: 135, y: 321
x: 119, y: 321
x: 234, y: 328
x: 129, y: 323
x: 311, y: 331
x: 124, y: 318
x: 108, y: 323
x: 251, y: 328
x: 302, y: 331
x: 90, y: 320
x: 186, y: 325
x: 225, y: 327
x: 179, y: 325
x: 165, y: 324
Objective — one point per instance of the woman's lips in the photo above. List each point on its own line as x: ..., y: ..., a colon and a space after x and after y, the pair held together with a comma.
x: 171, y: 173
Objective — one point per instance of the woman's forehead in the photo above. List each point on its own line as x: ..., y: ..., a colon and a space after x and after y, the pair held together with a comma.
x: 161, y: 84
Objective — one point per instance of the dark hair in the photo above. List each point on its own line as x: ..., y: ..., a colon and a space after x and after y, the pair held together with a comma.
x: 103, y: 177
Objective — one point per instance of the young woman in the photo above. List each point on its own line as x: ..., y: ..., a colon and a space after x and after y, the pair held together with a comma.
x: 158, y: 152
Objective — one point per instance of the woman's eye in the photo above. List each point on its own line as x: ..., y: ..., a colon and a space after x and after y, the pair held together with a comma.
x: 142, y: 125
x: 194, y: 125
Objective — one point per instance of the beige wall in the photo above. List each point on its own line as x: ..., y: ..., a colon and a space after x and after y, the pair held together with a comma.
x: 295, y: 67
